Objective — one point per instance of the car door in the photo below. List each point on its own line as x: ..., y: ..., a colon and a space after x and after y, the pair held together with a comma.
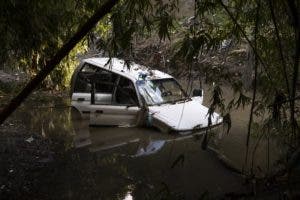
x: 94, y: 96
x: 81, y: 89
x: 121, y: 106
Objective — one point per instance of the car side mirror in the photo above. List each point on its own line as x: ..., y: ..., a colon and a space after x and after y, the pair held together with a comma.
x: 197, y: 93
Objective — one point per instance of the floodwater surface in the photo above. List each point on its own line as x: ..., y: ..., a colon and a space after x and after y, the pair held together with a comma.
x: 138, y: 163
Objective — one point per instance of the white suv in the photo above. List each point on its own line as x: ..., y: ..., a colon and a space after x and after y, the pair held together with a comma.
x: 111, y: 93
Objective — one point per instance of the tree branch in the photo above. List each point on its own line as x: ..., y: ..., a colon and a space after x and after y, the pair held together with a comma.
x: 295, y: 15
x: 254, y: 85
x: 283, y: 63
x: 247, y: 39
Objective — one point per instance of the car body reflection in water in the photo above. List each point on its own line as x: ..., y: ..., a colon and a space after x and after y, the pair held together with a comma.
x: 147, y: 161
x: 142, y: 141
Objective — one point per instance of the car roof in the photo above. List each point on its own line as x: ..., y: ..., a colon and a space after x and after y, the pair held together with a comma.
x: 133, y: 72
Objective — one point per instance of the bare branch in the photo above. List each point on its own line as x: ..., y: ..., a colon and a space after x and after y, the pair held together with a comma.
x: 283, y: 63
x: 254, y: 85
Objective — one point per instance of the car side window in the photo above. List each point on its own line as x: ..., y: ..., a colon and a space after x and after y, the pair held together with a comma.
x: 126, y: 93
x: 104, y: 80
x: 82, y: 83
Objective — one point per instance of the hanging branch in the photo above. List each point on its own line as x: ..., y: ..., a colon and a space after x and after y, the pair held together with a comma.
x: 56, y: 59
x: 247, y: 39
x: 254, y: 84
x: 279, y: 43
x: 296, y: 24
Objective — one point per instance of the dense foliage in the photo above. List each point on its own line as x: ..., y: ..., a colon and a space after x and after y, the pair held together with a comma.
x: 32, y: 32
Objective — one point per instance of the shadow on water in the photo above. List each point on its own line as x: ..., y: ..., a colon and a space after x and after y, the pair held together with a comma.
x: 131, y: 163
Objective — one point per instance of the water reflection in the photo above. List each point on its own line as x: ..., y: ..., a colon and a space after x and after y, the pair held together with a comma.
x: 141, y: 141
x: 128, y: 197
x: 122, y: 163
x: 134, y: 163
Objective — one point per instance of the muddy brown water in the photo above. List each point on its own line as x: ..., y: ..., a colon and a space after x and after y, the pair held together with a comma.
x: 140, y: 163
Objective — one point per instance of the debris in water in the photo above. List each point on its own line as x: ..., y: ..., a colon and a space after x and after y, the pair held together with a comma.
x: 152, y: 148
x: 30, y: 139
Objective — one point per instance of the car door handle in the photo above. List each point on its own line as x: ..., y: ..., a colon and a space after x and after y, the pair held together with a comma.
x: 80, y: 99
x: 99, y: 111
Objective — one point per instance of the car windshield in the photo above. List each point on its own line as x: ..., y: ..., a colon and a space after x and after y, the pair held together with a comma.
x: 160, y: 91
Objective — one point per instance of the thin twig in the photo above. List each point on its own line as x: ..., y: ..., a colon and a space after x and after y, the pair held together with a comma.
x: 247, y: 39
x: 255, y: 149
x: 279, y: 43
x: 295, y: 15
x: 285, y: 101
x: 254, y: 83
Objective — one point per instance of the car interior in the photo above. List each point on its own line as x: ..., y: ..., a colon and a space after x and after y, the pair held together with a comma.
x: 109, y: 88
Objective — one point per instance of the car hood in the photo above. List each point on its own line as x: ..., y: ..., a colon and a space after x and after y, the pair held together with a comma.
x: 184, y: 116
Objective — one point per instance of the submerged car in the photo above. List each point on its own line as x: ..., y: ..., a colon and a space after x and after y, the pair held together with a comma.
x: 110, y: 92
